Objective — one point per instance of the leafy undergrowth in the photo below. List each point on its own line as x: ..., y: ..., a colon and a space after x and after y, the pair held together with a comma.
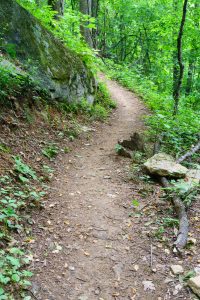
x: 17, y: 84
x: 180, y: 132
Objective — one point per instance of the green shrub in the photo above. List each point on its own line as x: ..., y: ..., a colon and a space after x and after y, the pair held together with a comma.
x: 180, y: 132
x: 103, y: 97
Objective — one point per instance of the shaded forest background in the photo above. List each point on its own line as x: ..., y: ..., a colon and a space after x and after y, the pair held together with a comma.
x: 149, y: 46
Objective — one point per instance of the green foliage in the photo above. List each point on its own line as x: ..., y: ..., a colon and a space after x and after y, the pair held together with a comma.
x: 188, y: 275
x: 135, y: 203
x: 170, y: 222
x: 4, y: 148
x: 99, y: 110
x: 67, y: 28
x: 14, y: 198
x: 159, y: 232
x: 103, y: 97
x: 118, y: 148
x: 23, y: 170
x: 179, y: 133
x: 50, y: 151
x: 101, y: 107
x: 10, y: 82
x: 187, y: 191
x: 11, y: 263
x: 10, y: 49
x: 16, y: 84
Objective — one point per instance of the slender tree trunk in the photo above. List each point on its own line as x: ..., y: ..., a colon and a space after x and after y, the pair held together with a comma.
x: 95, y: 10
x: 57, y: 5
x: 177, y: 87
x: 191, y: 68
x: 86, y: 9
x: 174, y: 34
x: 193, y: 54
x: 147, y: 55
x: 104, y: 35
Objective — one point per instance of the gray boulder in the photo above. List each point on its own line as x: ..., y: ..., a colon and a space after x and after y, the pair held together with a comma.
x: 163, y: 164
x: 57, y: 68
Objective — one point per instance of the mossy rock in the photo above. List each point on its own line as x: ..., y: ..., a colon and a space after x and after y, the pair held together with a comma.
x: 57, y: 68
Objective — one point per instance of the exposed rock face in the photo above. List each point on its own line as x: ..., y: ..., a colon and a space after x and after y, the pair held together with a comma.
x: 60, y: 70
x: 163, y: 164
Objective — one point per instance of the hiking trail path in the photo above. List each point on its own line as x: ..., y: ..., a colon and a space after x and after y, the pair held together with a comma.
x: 87, y: 247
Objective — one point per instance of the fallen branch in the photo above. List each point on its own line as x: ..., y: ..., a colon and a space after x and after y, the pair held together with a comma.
x: 180, y: 210
x: 178, y: 204
x: 189, y: 153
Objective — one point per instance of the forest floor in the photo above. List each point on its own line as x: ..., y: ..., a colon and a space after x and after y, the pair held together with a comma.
x: 90, y: 243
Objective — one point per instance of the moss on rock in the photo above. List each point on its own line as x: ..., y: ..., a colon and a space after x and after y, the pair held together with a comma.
x: 58, y: 69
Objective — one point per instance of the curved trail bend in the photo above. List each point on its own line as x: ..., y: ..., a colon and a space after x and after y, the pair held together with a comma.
x: 90, y: 246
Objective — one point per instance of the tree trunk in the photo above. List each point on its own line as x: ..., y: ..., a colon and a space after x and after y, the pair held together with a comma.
x: 193, y: 54
x: 174, y: 33
x: 180, y: 65
x: 57, y: 5
x: 86, y: 9
x: 95, y: 10
x: 191, y: 68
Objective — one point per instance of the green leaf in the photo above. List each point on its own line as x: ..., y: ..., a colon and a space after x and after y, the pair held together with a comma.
x: 15, y: 250
x: 4, y: 279
x: 23, y: 179
x: 135, y: 203
x: 14, y: 261
x: 15, y: 278
x: 1, y: 291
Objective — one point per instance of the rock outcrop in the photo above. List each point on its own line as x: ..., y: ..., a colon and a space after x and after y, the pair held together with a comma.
x: 135, y: 143
x: 60, y: 71
x: 163, y: 164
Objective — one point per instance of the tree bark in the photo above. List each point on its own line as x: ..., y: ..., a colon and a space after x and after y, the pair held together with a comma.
x: 180, y: 210
x: 193, y: 54
x: 86, y: 9
x: 57, y: 5
x: 95, y: 11
x: 179, y: 64
x: 190, y: 74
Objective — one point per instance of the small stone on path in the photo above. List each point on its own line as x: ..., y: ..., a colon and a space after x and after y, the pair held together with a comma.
x: 83, y: 297
x: 177, y: 269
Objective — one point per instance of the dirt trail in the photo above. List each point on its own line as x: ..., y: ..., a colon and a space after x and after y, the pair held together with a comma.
x: 88, y: 216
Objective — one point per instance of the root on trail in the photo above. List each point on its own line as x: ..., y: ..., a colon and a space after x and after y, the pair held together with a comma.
x: 180, y: 210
